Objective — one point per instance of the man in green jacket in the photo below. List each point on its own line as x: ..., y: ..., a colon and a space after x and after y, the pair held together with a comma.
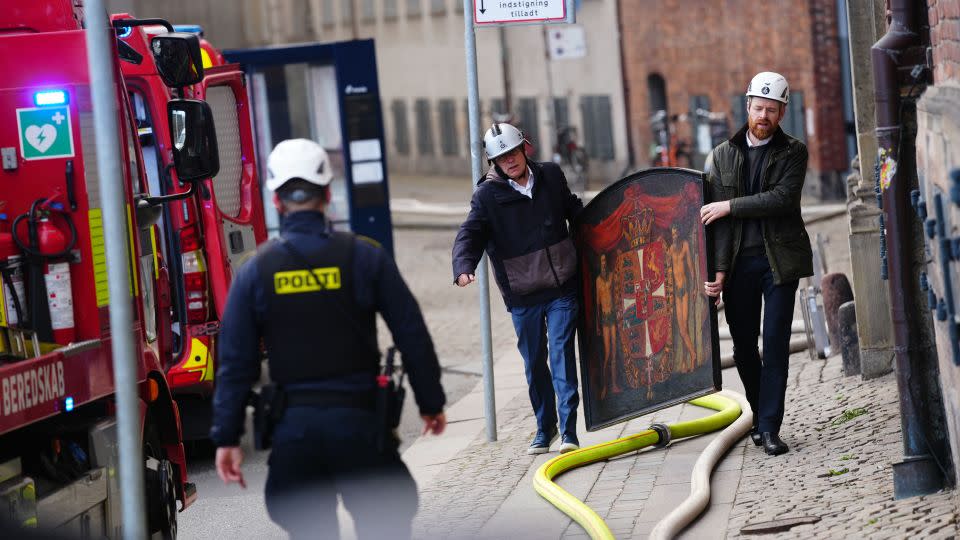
x: 761, y: 248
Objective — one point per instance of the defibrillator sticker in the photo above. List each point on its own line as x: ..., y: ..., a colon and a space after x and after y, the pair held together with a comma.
x: 302, y: 281
x: 45, y: 132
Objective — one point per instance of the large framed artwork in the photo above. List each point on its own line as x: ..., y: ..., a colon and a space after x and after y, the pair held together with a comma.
x: 647, y: 331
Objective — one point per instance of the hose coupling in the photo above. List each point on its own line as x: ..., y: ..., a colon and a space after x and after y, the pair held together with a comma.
x: 663, y: 431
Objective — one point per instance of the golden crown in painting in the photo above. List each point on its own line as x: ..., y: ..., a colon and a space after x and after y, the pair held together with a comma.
x: 636, y: 226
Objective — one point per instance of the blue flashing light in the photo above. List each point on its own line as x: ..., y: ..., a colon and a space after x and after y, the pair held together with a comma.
x: 50, y: 97
x: 189, y: 28
x: 68, y: 404
x: 124, y: 31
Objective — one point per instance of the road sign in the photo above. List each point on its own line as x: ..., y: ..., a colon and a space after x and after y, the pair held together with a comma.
x: 497, y: 12
x: 567, y: 42
x: 45, y: 132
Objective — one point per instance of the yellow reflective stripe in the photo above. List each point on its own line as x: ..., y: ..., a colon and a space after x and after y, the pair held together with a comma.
x: 211, y: 368
x: 205, y: 58
x: 99, y: 257
x: 3, y: 307
x: 134, y: 282
x: 301, y: 281
x: 156, y: 257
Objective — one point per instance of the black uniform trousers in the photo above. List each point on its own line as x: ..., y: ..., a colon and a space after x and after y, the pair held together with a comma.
x: 319, y: 453
x: 764, y: 380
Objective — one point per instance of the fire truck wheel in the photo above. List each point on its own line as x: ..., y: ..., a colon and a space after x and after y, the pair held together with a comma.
x: 161, y: 492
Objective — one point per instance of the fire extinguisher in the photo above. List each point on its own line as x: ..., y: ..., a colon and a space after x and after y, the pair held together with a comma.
x: 48, y: 261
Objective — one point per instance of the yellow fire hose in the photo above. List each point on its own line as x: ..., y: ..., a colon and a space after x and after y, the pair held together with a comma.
x: 728, y: 410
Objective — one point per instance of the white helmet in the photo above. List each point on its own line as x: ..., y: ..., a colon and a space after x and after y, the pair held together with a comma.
x: 500, y: 139
x: 770, y: 85
x: 298, y: 158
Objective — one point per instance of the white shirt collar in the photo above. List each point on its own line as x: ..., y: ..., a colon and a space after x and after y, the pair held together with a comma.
x: 527, y: 189
x: 761, y: 143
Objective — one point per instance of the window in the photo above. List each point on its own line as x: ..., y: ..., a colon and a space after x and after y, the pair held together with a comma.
x: 328, y: 14
x: 793, y: 118
x: 448, y: 127
x: 657, y: 90
x: 597, y: 126
x: 424, y: 133
x: 401, y: 131
x: 413, y: 8
x: 389, y: 9
x: 699, y: 123
x: 458, y: 6
x: 497, y: 106
x: 438, y: 7
x: 368, y: 11
x: 528, y: 119
x: 738, y: 110
x: 561, y: 113
x: 346, y: 11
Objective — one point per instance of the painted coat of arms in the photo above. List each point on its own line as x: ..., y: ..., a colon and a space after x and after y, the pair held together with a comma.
x: 647, y: 331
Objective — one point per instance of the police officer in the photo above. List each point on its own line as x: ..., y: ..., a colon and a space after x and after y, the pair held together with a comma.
x: 312, y: 296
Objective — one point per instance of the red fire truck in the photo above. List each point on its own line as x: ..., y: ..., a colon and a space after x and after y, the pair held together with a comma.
x: 58, y: 440
x: 207, y: 235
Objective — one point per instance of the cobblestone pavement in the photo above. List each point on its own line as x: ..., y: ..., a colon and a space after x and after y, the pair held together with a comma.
x: 845, y: 435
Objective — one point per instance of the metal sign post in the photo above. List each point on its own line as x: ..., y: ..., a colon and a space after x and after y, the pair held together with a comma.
x: 476, y: 169
x: 103, y: 90
x: 495, y: 13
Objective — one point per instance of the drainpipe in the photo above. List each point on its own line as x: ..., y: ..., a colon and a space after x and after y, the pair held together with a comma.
x: 918, y: 473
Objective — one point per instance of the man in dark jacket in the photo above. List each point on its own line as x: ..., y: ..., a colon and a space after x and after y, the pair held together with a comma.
x: 756, y: 179
x: 519, y: 215
x: 311, y: 297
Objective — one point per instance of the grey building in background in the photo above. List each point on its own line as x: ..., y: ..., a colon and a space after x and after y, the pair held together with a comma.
x: 422, y: 72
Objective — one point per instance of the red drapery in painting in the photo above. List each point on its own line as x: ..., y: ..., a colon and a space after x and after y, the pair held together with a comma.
x: 605, y: 235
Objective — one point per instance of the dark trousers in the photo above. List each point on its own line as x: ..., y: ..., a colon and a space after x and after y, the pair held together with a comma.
x: 319, y: 453
x: 765, y: 380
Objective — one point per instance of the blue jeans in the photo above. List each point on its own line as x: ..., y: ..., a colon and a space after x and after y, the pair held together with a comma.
x: 551, y: 322
x: 764, y: 380
x: 319, y: 453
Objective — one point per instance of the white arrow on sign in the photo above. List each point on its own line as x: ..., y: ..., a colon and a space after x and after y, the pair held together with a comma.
x: 518, y: 11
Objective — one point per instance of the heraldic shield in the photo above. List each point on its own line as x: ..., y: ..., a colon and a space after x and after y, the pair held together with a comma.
x: 648, y: 332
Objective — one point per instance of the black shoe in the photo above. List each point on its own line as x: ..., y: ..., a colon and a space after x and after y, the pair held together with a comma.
x: 772, y: 444
x: 755, y: 437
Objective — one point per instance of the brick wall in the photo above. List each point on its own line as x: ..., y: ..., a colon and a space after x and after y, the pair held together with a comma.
x: 714, y: 47
x: 944, y: 18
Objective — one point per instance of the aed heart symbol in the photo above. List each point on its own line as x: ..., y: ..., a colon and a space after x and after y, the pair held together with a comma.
x: 41, y: 137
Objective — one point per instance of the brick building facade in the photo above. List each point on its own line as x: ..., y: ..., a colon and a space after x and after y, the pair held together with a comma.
x: 938, y: 155
x: 708, y: 55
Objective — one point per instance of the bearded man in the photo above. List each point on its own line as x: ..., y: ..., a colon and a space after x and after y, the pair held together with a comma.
x: 761, y: 248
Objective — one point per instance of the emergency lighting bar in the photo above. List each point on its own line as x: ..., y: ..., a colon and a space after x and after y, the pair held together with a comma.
x: 68, y: 404
x: 50, y: 97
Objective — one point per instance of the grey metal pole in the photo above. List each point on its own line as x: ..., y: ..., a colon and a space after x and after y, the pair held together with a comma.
x: 476, y: 169
x: 103, y: 89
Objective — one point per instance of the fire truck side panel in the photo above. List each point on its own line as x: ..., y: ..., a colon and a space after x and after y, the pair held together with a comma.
x: 234, y: 214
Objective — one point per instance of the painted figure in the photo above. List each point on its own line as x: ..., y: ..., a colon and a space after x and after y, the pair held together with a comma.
x: 681, y: 268
x: 607, y: 328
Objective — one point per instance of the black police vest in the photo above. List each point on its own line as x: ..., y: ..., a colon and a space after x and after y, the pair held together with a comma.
x: 313, y: 328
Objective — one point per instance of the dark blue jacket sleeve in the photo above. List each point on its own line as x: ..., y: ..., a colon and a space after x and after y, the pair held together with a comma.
x: 402, y: 314
x: 471, y: 239
x: 239, y: 363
